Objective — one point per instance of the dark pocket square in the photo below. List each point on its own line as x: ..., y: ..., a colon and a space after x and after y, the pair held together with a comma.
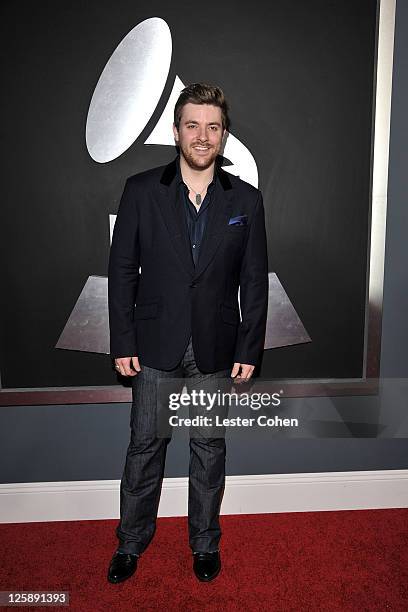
x: 239, y: 220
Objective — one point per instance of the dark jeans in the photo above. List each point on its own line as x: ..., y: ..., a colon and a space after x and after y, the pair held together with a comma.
x: 143, y: 473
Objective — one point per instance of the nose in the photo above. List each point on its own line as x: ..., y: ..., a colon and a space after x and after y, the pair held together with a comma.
x: 202, y: 133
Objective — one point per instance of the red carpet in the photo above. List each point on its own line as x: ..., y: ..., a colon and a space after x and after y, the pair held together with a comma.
x: 312, y: 561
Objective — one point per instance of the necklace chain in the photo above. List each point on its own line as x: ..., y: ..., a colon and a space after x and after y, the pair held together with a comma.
x: 198, y: 197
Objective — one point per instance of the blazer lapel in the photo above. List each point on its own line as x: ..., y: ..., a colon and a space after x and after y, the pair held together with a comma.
x: 217, y: 222
x: 174, y: 217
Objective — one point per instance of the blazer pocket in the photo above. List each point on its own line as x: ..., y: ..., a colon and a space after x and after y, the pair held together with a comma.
x: 237, y: 228
x: 147, y: 310
x: 229, y: 314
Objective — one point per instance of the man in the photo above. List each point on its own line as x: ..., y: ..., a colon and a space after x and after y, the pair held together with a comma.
x: 187, y: 236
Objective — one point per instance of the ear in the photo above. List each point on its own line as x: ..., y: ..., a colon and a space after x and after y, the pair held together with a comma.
x: 175, y: 132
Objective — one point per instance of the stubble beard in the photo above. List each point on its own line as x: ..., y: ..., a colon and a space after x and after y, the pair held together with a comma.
x: 195, y: 162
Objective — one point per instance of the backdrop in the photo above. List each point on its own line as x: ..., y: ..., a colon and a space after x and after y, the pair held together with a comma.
x: 299, y: 77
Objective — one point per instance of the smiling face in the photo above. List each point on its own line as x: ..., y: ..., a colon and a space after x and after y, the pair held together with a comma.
x: 200, y: 134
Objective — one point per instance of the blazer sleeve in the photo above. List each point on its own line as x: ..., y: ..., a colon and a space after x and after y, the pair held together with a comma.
x: 123, y: 276
x: 254, y: 289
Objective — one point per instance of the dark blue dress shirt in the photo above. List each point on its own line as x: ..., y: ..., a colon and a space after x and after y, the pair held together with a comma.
x: 196, y: 220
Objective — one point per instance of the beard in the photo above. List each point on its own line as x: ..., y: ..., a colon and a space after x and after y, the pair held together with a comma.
x: 196, y: 161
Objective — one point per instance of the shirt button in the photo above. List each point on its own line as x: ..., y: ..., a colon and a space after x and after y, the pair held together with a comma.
x: 194, y: 246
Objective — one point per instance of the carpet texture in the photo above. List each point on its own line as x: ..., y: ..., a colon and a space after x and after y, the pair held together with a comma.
x: 317, y: 561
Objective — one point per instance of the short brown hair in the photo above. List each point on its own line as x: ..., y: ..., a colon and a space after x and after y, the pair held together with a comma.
x: 201, y: 93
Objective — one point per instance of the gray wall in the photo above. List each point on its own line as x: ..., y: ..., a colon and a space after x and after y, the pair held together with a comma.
x: 88, y: 442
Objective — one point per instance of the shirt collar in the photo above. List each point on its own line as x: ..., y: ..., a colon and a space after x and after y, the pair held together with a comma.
x: 179, y: 176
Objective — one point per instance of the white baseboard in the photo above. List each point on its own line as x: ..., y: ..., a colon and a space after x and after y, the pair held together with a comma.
x: 87, y: 500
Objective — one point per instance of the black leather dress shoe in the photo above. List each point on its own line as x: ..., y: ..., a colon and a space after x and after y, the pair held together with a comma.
x: 207, y: 566
x: 121, y: 567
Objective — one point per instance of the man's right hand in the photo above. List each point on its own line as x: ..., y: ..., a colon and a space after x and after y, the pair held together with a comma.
x: 122, y: 365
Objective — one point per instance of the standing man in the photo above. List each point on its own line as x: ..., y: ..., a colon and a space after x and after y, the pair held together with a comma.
x: 187, y: 236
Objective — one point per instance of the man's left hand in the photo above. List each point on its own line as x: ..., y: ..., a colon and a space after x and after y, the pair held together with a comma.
x: 242, y: 371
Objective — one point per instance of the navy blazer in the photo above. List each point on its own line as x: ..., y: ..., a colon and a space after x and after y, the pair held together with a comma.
x: 153, y: 312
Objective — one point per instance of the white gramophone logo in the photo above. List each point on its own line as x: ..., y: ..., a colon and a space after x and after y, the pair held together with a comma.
x: 128, y: 92
x: 126, y: 95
